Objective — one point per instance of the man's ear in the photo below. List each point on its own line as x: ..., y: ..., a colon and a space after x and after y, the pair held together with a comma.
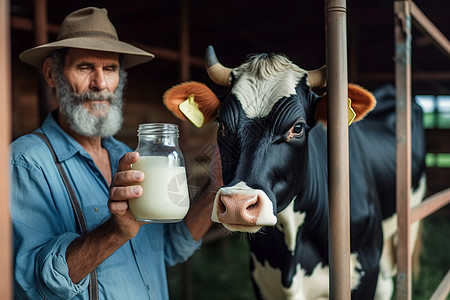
x: 362, y: 102
x: 201, y: 96
x: 47, y: 72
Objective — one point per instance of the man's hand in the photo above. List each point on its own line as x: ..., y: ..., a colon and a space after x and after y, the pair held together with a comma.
x: 124, y: 187
x: 85, y: 253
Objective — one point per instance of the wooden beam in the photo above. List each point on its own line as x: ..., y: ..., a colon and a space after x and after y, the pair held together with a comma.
x: 417, y: 76
x: 5, y: 139
x: 25, y: 24
x: 430, y: 205
x: 421, y: 22
x: 443, y: 289
x: 185, y: 73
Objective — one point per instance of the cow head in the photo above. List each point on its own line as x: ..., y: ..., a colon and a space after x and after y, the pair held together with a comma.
x: 263, y: 125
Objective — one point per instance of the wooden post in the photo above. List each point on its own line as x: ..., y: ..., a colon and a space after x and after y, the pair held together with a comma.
x: 41, y: 37
x: 185, y: 74
x: 402, y: 32
x: 5, y: 138
x: 338, y: 165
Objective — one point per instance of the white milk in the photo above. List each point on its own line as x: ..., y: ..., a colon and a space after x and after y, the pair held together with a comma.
x: 166, y: 196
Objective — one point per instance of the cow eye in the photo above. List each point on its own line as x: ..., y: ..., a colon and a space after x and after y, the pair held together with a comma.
x: 298, y: 128
x: 296, y: 131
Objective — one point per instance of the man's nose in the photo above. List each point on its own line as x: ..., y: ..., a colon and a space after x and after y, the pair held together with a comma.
x: 98, y: 80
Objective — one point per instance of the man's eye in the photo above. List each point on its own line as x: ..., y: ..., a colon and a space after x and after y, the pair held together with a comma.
x: 111, y: 69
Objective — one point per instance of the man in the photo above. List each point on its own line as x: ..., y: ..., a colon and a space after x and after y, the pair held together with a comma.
x: 86, y: 67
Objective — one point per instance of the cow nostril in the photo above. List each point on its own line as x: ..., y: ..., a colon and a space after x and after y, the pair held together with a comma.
x: 253, y: 204
x: 221, y: 207
x: 238, y: 209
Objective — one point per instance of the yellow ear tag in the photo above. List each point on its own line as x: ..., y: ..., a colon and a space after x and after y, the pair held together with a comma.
x: 351, y: 112
x: 190, y: 109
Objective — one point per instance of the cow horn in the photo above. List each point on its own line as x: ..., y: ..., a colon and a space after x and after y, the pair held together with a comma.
x: 216, y: 71
x: 318, y: 78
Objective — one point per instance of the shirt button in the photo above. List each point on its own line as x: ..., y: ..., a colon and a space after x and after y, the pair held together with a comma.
x: 96, y: 209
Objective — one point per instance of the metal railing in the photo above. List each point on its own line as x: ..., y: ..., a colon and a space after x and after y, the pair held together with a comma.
x: 407, y: 13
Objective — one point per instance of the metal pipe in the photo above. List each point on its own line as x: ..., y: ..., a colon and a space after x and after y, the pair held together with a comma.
x: 338, y: 165
x: 5, y: 139
x: 402, y: 23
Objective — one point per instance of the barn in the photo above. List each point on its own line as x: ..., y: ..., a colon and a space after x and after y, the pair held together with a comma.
x: 178, y: 32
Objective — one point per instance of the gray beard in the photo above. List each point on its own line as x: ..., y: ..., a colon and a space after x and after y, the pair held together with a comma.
x: 80, y: 119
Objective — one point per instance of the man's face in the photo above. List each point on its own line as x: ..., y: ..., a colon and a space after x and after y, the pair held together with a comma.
x: 89, y: 91
x: 87, y: 70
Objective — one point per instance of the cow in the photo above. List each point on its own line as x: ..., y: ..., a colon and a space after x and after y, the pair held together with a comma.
x: 272, y: 138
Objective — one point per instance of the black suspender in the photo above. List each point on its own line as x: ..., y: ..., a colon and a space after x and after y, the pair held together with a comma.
x: 78, y: 212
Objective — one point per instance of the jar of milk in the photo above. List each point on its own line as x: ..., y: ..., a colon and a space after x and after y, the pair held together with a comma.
x: 165, y: 198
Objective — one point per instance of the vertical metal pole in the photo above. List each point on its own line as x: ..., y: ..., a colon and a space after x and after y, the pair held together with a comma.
x: 403, y: 136
x: 338, y: 166
x: 5, y: 138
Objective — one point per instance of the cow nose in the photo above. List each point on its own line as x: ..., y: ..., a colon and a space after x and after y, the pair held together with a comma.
x: 239, y: 209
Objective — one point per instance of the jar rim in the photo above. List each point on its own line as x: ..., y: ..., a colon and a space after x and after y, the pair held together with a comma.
x: 158, y: 128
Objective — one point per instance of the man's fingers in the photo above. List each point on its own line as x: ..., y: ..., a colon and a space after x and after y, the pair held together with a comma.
x: 127, y: 160
x: 129, y: 177
x: 118, y: 207
x: 119, y: 193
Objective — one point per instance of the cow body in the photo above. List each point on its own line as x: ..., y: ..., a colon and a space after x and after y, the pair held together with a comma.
x: 274, y: 162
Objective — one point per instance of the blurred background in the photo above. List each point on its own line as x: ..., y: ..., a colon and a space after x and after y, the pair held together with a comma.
x: 178, y: 32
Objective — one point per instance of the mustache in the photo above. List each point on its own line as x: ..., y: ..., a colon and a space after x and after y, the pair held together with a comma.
x: 94, y: 96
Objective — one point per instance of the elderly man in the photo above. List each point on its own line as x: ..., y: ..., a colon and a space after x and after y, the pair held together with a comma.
x: 116, y: 257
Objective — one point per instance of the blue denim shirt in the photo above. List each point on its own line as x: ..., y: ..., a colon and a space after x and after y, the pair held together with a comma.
x: 44, y: 225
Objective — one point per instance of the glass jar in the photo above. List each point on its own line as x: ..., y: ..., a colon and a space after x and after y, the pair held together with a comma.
x: 166, y: 197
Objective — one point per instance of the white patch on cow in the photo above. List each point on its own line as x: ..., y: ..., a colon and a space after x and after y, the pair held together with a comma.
x: 388, y: 266
x: 264, y: 82
x: 303, y: 287
x: 289, y: 222
x: 265, y: 218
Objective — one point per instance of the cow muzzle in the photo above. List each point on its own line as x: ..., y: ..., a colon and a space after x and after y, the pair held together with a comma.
x: 241, y: 208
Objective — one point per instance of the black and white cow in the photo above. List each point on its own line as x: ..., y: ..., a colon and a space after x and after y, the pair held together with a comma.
x: 273, y: 142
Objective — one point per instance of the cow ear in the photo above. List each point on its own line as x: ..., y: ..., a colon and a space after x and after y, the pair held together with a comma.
x: 362, y: 102
x: 204, y: 98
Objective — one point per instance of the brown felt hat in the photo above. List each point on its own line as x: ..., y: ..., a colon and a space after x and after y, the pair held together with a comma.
x: 88, y: 28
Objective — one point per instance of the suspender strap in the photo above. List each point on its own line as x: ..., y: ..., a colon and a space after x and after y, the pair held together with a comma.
x: 78, y: 212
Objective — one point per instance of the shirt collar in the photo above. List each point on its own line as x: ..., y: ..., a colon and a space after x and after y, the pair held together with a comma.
x: 63, y: 144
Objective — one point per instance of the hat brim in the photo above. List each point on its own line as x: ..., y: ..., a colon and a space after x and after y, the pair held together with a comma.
x: 131, y: 55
